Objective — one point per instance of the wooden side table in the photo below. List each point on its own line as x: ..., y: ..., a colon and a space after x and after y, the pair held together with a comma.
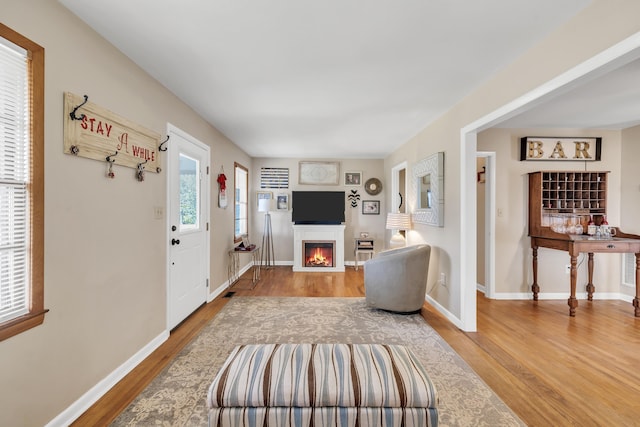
x: 363, y: 246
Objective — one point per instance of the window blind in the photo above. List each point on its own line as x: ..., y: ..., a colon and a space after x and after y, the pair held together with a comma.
x: 14, y: 181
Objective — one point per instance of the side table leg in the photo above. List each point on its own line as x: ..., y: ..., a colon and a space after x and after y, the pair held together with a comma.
x: 573, y: 302
x: 534, y: 287
x: 636, y: 300
x: 590, y: 288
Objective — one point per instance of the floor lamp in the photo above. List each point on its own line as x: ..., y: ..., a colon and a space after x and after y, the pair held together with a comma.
x: 397, y: 222
x: 266, y: 258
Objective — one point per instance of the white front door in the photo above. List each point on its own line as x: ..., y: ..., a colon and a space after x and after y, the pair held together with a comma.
x: 188, y: 205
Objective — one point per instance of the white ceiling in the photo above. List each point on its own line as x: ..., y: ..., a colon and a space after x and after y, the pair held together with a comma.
x: 332, y: 78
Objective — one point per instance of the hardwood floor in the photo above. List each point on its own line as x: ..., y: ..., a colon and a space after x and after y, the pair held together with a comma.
x: 551, y: 369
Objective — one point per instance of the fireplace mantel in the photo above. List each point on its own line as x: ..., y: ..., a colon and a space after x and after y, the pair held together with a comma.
x: 318, y: 233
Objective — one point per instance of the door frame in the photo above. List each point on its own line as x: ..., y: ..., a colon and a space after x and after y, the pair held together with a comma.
x: 171, y: 129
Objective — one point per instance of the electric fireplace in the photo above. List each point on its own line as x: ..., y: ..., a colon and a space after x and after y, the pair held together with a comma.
x: 318, y: 248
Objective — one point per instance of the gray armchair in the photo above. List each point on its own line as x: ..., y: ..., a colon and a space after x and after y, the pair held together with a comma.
x: 396, y: 279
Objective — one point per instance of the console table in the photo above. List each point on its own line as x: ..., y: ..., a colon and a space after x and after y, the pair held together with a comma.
x: 575, y: 245
x: 233, y: 269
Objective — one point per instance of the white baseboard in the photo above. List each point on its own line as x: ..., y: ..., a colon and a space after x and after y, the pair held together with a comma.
x: 446, y: 313
x: 79, y: 407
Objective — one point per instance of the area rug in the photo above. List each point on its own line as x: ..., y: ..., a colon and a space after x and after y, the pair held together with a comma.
x: 177, y: 397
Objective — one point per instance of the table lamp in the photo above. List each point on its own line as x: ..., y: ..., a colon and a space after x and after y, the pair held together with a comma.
x: 397, y: 222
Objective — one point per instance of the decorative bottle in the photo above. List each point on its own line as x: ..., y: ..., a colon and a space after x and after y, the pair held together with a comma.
x: 591, y: 226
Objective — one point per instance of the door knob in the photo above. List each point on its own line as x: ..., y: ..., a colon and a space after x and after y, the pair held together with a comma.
x: 175, y: 241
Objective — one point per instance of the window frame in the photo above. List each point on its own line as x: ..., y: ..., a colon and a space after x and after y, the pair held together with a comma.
x: 35, y: 315
x: 238, y: 237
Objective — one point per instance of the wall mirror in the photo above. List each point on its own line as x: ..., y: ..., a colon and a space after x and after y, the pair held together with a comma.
x: 428, y: 180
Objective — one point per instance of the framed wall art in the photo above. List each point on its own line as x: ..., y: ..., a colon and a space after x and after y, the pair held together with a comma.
x: 319, y: 173
x: 371, y: 207
x: 282, y: 202
x: 353, y: 179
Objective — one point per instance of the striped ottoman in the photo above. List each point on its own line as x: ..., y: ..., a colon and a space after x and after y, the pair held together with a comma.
x: 322, y: 385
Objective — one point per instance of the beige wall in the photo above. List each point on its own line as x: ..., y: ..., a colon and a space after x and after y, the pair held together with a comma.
x: 513, y: 246
x: 104, y: 251
x: 598, y: 27
x: 355, y: 221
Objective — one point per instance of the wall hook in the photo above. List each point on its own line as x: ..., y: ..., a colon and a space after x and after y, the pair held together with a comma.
x: 73, y: 113
x: 140, y: 171
x: 109, y: 158
x: 160, y: 147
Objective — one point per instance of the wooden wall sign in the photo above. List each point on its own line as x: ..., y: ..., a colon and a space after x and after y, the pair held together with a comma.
x: 97, y: 133
x: 560, y: 149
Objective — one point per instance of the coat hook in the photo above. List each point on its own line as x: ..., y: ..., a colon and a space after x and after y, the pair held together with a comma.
x: 140, y: 171
x: 109, y: 158
x: 73, y: 113
x: 161, y: 144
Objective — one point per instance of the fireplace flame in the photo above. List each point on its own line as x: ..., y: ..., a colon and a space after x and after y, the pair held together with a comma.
x: 317, y: 258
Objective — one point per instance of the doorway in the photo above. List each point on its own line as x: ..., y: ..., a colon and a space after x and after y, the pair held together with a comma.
x: 399, y: 191
x: 601, y: 63
x: 486, y: 222
x: 188, y: 223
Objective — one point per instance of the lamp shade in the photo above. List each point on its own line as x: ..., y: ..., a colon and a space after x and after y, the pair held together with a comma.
x: 264, y: 205
x: 398, y: 221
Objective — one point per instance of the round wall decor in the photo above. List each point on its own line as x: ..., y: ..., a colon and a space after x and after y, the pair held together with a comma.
x: 373, y: 186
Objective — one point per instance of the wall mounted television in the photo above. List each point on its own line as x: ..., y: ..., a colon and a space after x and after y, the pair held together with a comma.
x: 317, y: 207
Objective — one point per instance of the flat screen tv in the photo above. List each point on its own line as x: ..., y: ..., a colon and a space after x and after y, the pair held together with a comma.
x: 317, y: 207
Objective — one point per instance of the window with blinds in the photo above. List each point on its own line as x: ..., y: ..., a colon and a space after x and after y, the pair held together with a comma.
x: 274, y: 177
x: 14, y: 176
x: 21, y: 183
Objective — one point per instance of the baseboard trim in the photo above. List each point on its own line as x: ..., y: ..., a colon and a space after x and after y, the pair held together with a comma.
x: 79, y: 407
x: 446, y: 313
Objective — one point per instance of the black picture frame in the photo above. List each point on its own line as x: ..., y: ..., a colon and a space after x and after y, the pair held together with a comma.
x: 371, y: 207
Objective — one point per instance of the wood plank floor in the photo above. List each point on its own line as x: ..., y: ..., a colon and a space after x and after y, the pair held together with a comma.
x: 551, y: 369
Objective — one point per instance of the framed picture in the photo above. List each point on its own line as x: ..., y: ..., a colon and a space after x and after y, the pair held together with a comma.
x: 319, y: 173
x: 371, y: 207
x: 353, y: 179
x: 282, y: 202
